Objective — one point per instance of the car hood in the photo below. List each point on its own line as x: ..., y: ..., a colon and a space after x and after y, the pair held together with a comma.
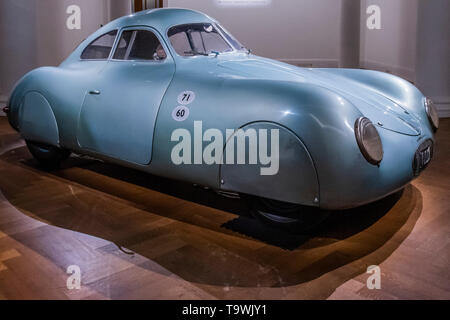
x: 381, y: 110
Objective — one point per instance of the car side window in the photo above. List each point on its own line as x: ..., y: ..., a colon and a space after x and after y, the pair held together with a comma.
x: 180, y: 42
x: 100, y: 48
x: 139, y: 45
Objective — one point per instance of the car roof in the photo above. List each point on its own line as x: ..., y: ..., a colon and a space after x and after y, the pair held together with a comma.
x: 160, y: 19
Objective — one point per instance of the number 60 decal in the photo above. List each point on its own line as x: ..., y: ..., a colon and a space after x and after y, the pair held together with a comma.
x: 180, y: 113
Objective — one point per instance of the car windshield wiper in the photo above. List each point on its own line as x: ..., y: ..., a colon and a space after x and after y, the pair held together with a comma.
x: 196, y: 53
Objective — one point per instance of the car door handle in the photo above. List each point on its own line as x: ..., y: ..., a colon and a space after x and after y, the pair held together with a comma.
x: 94, y: 92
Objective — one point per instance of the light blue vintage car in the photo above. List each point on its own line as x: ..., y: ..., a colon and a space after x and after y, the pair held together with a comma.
x: 131, y: 90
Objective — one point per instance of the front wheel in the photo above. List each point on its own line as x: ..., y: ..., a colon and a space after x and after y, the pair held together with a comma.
x: 48, y: 156
x: 291, y: 217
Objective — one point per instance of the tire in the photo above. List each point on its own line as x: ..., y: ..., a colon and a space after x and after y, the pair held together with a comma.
x: 48, y: 156
x: 290, y: 217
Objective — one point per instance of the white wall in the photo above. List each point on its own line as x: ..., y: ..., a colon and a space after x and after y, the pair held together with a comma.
x: 34, y: 33
x: 350, y: 34
x: 54, y: 41
x: 17, y: 19
x: 304, y: 32
x: 414, y: 43
x: 433, y: 53
x: 393, y: 48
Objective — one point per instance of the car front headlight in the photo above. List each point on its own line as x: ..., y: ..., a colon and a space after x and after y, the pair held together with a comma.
x: 432, y: 113
x: 369, y: 140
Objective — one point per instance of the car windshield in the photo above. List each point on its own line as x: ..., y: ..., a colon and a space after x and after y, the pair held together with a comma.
x: 198, y: 39
x: 235, y: 43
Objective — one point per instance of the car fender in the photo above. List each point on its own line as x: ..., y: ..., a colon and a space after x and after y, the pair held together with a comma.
x: 62, y: 90
x: 324, y: 122
x: 296, y: 177
x: 37, y: 121
x: 31, y: 107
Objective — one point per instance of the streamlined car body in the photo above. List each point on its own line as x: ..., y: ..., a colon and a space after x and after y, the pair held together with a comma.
x: 346, y: 137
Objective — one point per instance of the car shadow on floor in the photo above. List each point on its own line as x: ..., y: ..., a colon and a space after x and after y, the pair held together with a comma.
x: 339, y: 224
x: 218, y: 243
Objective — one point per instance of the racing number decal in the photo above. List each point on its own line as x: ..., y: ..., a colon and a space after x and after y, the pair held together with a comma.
x: 186, y: 97
x: 180, y: 113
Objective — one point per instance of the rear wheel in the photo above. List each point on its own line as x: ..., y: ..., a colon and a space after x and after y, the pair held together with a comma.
x: 48, y: 156
x: 294, y: 218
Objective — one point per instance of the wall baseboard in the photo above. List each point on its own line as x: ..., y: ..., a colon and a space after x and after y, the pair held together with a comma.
x: 3, y: 100
x: 443, y: 111
x: 443, y: 106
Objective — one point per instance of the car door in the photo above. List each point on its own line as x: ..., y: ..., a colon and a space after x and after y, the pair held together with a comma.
x: 119, y: 112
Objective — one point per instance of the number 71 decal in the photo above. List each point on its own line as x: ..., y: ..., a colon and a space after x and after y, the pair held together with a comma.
x: 186, y: 97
